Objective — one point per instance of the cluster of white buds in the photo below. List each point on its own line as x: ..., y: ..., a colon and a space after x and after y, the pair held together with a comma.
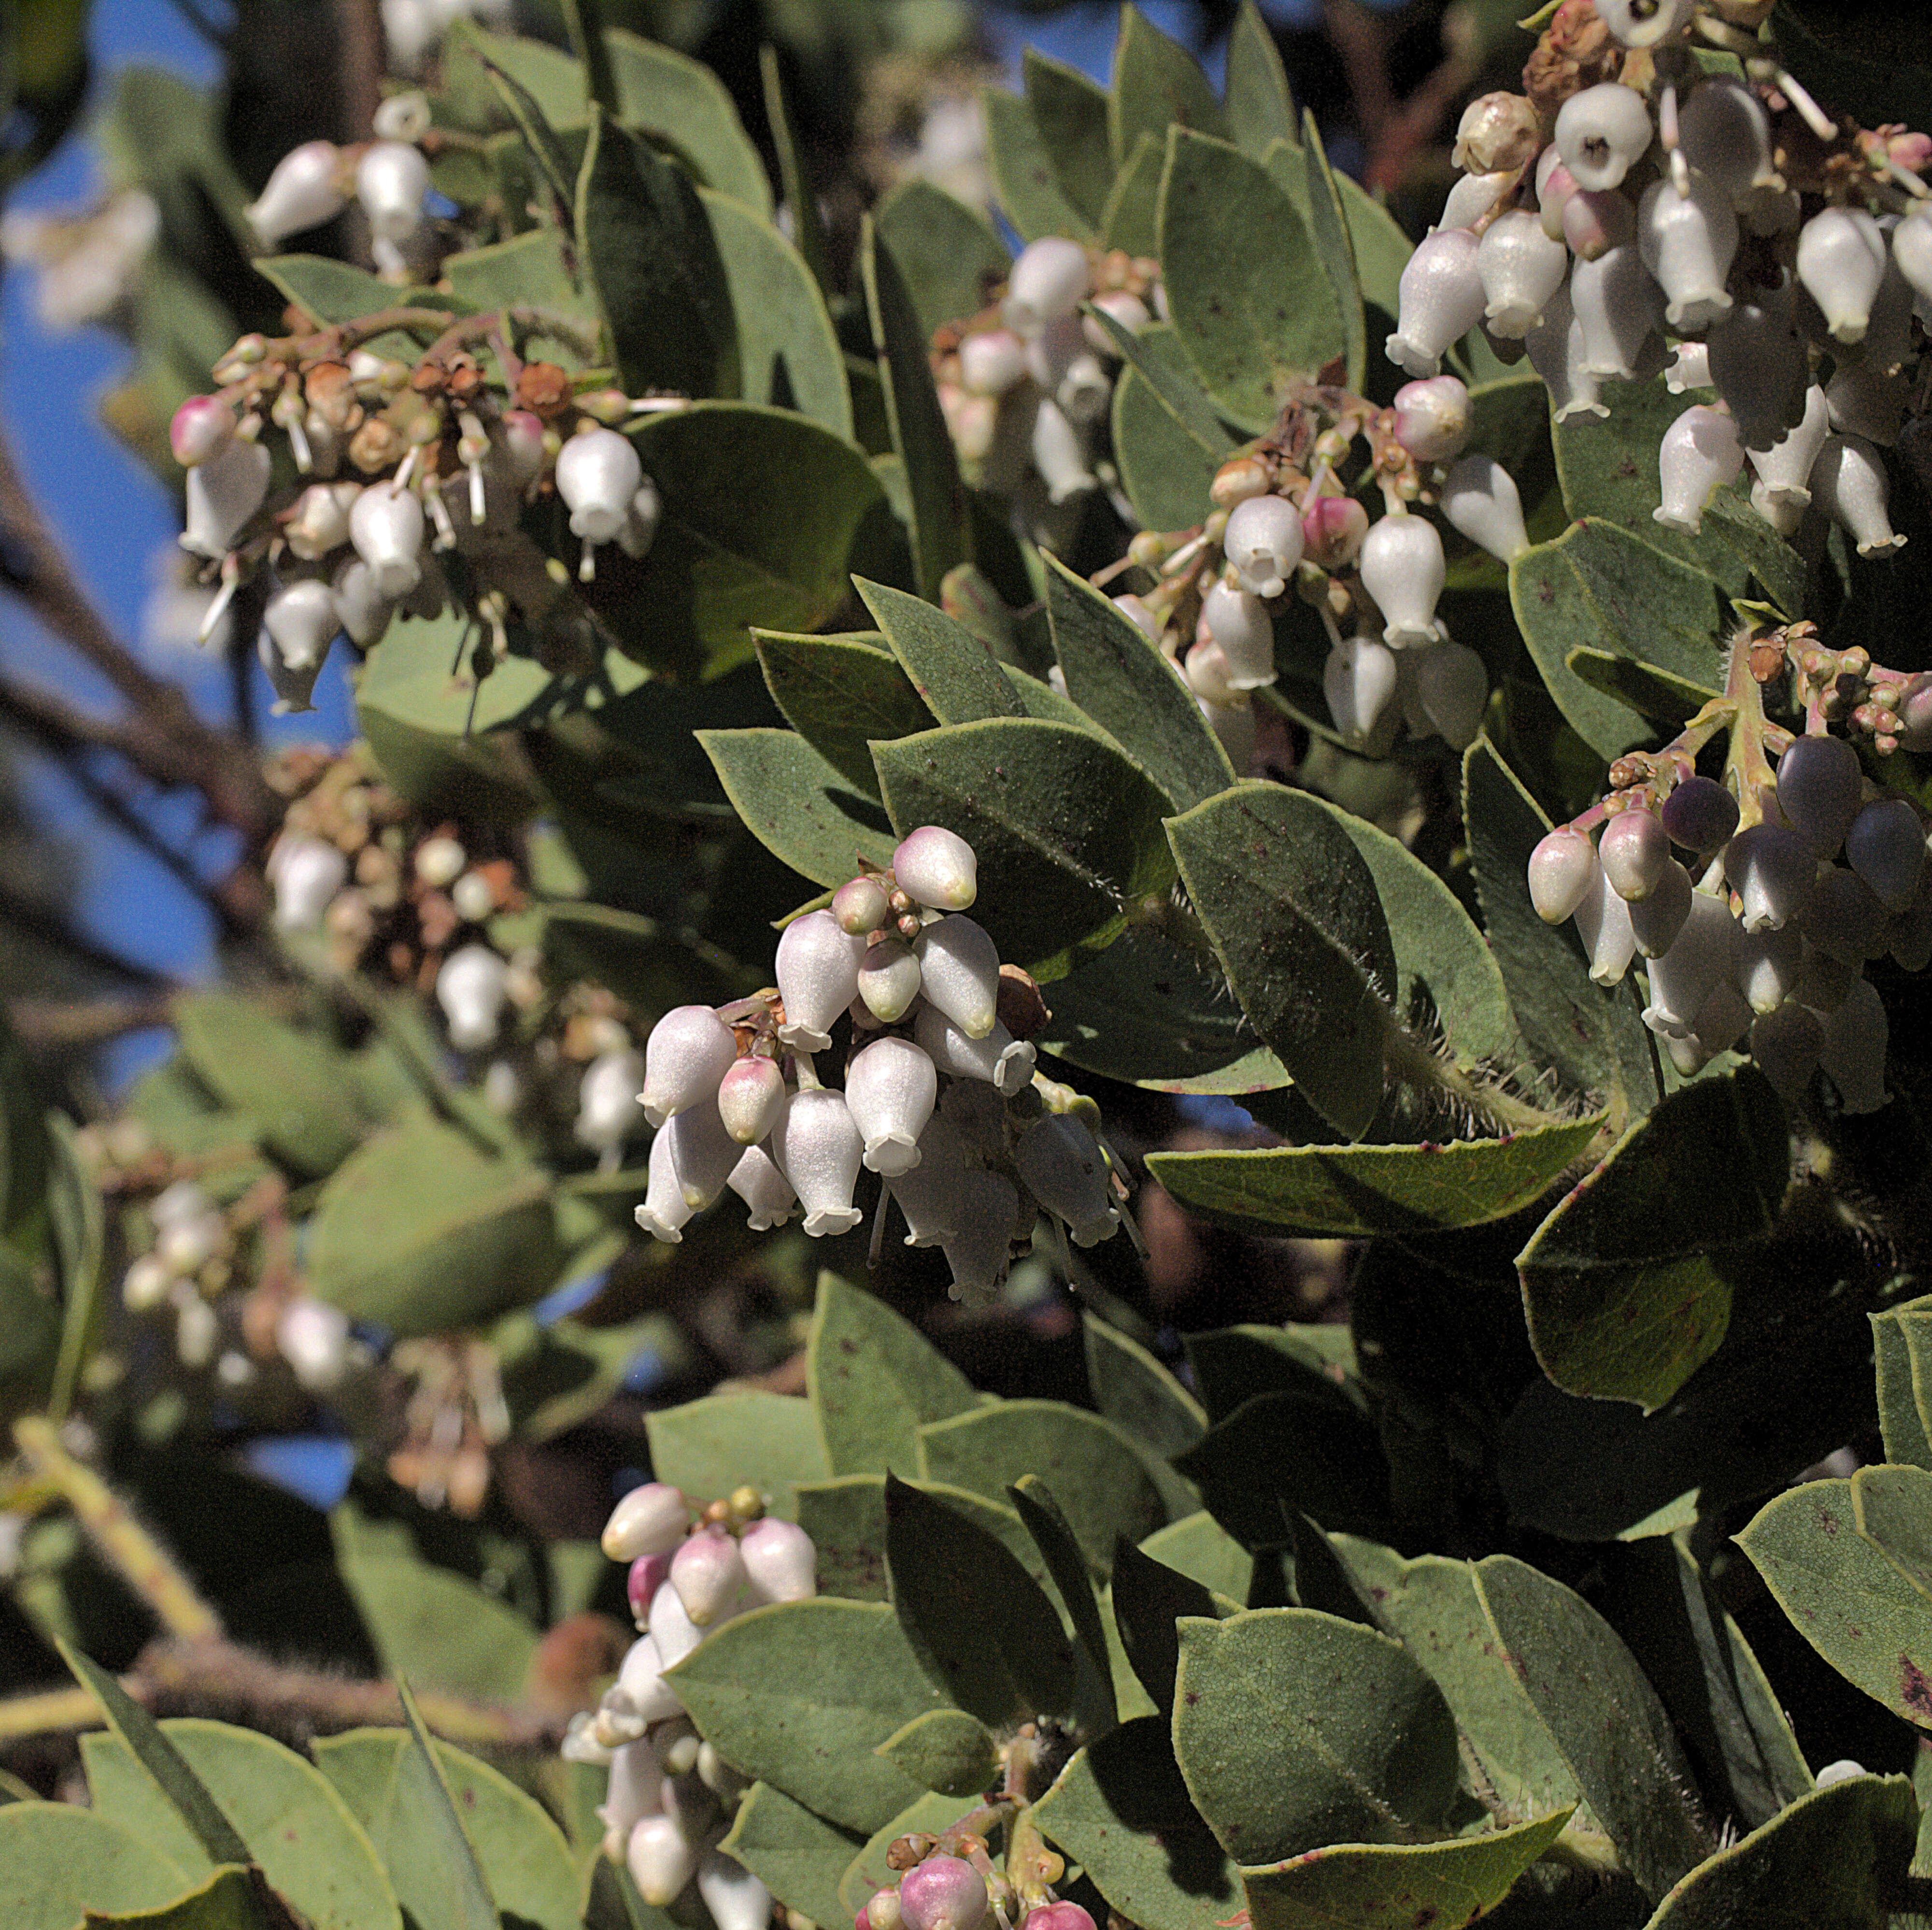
x: 1756, y: 938
x: 188, y: 1264
x: 313, y: 183
x: 940, y: 1097
x: 672, y: 1797
x: 1027, y: 384
x: 1722, y: 226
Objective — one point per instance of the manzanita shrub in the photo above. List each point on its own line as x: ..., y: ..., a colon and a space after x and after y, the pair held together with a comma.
x: 1466, y: 702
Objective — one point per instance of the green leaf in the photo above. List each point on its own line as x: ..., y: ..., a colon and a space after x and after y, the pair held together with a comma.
x: 1095, y: 1471
x: 938, y: 532
x: 958, y: 678
x: 57, y: 1860
x: 1328, y: 225
x: 1308, y: 1450
x: 1834, y: 1860
x: 945, y: 1750
x: 1069, y: 829
x: 1157, y: 85
x: 794, y: 1852
x: 739, y: 543
x: 1589, y: 1035
x: 874, y: 1379
x: 1148, y: 1599
x: 1603, y: 1714
x: 231, y: 1899
x: 420, y: 1232
x: 807, y: 222
x: 1131, y: 221
x: 1136, y: 1393
x: 1624, y: 1284
x: 801, y: 1694
x: 446, y: 1873
x: 529, y: 270
x: 431, y: 1627
x: 1122, y: 681
x: 846, y: 1519
x: 1093, y: 1705
x: 553, y: 78
x: 1232, y: 1365
x: 1294, y: 1729
x: 1352, y: 1192
x: 724, y: 1441
x: 672, y: 97
x: 1121, y: 1811
x: 839, y: 693
x: 1393, y: 1886
x: 1650, y: 693
x: 525, y: 1861
x: 1901, y: 1340
x: 1596, y: 585
x: 539, y: 136
x: 1069, y: 114
x: 947, y: 252
x: 1260, y: 109
x: 1198, y: 1546
x: 1028, y: 189
x: 1291, y: 909
x: 660, y: 283
x: 1166, y: 469
x: 1156, y: 356
x: 802, y: 809
x: 1245, y: 285
x: 332, y: 291
x: 294, y: 1825
x: 30, y: 1335
x: 788, y: 353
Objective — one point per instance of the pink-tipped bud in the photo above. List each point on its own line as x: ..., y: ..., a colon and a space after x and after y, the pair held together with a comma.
x: 304, y: 191
x: 750, y: 1095
x: 1332, y: 528
x: 757, y: 1181
x: 1263, y: 541
x: 651, y: 1520
x: 1699, y: 455
x: 1594, y: 225
x: 1403, y: 569
x: 662, y: 1859
x: 818, y: 1147
x: 891, y: 1088
x: 1239, y: 625
x: 818, y: 971
x: 1441, y: 299
x: 1479, y: 499
x: 936, y: 867
x: 386, y: 526
x: 959, y: 972
x: 943, y: 1893
x: 1633, y: 851
x: 1058, y: 1915
x: 889, y: 980
x: 708, y: 1573
x: 598, y: 473
x: 1431, y: 422
x: 860, y: 906
x: 689, y: 1051
x: 1562, y: 869
x: 648, y: 1573
x: 780, y: 1563
x: 203, y: 426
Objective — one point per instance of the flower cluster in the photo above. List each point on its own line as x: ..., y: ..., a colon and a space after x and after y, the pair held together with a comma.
x: 950, y: 1883
x: 1757, y: 938
x: 1633, y: 211
x: 939, y: 1096
x: 671, y: 1796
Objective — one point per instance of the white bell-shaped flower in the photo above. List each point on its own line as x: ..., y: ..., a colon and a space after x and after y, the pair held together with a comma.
x: 936, y: 868
x: 818, y: 1147
x: 736, y: 1899
x: 670, y: 1626
x: 1061, y: 1165
x: 305, y: 191
x: 1480, y: 500
x: 1658, y: 919
x: 929, y: 1194
x: 607, y: 1112
x: 299, y: 625
x: 996, y: 1056
x: 1785, y: 517
x: 1841, y: 258
x: 708, y: 1572
x: 1684, y: 977
x: 1772, y: 870
x: 632, y: 1793
x: 992, y: 361
x: 1471, y: 197
x: 1263, y: 541
x: 1440, y: 298
x: 1403, y: 569
x: 1867, y: 401
x: 1886, y: 846
x: 386, y: 527
x: 306, y: 872
x: 1843, y: 919
x: 1048, y: 282
x: 1849, y: 480
x: 471, y: 988
x: 1205, y: 673
x: 750, y: 1095
x: 391, y: 180
x: 959, y: 972
x: 1562, y: 872
x: 651, y: 1519
x: 978, y: 1247
x: 1618, y: 309
x: 687, y: 1052
x: 889, y: 980
x: 1452, y: 685
x: 661, y: 1858
x: 1820, y: 784
x: 1785, y: 468
x: 320, y: 521
x: 646, y: 511
x: 1432, y: 420
x: 780, y: 1563
x: 1126, y: 308
x: 1604, y: 924
x: 1688, y: 241
x: 1699, y: 455
x: 891, y: 1088
x: 1723, y: 132
x: 598, y: 473
x: 1689, y: 367
x: 1912, y: 253
x: 1059, y: 453
x: 641, y: 1681
x: 1359, y: 681
x: 223, y: 492
x: 1520, y: 268
x: 765, y: 1190
x: 665, y: 1210
x: 1767, y: 965
x: 1852, y: 1050
x: 1559, y: 353
x: 1784, y: 1046
x: 703, y: 1155
x: 818, y: 973
x: 1239, y: 622
x: 1758, y: 364
x: 366, y: 612
x: 1602, y: 132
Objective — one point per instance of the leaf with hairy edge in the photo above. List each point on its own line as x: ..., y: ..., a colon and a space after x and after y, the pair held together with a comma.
x: 802, y: 809
x: 1354, y: 1192
x: 1901, y: 1336
x: 1157, y: 85
x: 800, y: 1694
x: 839, y: 693
x: 1131, y: 220
x: 1069, y: 829
x: 1603, y: 1715
x: 1260, y: 109
x: 1329, y: 226
x: 1245, y: 285
x: 1119, y: 678
x: 669, y: 95
x: 958, y: 678
x: 1652, y: 693
x: 57, y: 1860
x: 946, y: 1751
x: 846, y: 1518
x: 231, y: 1899
x: 1625, y: 1285
x: 1166, y: 468
x: 1291, y: 909
x: 1121, y: 1811
x: 947, y: 252
x: 1024, y: 182
x: 1835, y: 1859
x: 874, y: 1380
x: 724, y: 1441
x: 1069, y: 114
x: 1590, y: 1034
x: 1394, y: 1886
x: 792, y: 1850
x: 1294, y: 1729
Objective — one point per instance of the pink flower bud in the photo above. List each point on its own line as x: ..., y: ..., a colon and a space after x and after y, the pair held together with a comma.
x: 959, y: 973
x: 818, y: 973
x: 1240, y: 626
x: 688, y: 1052
x: 1841, y: 258
x: 1633, y: 851
x: 1333, y: 526
x: 224, y: 490
x: 662, y: 1859
x: 1688, y: 241
x: 386, y: 526
x: 859, y: 906
x: 780, y: 1563
x: 1699, y: 455
x: 936, y: 868
x: 304, y: 191
x: 1263, y: 541
x: 1594, y: 225
x: 1048, y: 282
x: 1061, y: 1163
x: 203, y: 426
x: 1521, y: 269
x: 818, y: 1147
x: 1479, y: 499
x: 891, y: 1088
x: 598, y: 473
x: 1555, y: 185
x: 1403, y: 569
x: 471, y: 988
x: 708, y: 1573
x: 996, y: 1056
x: 1058, y: 1915
x: 1849, y: 480
x: 648, y: 1573
x: 1441, y: 299
x: 943, y: 1893
x: 1602, y: 132
x: 750, y: 1095
x: 736, y: 1899
x: 650, y: 1520
x: 1431, y: 422
x: 757, y: 1181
